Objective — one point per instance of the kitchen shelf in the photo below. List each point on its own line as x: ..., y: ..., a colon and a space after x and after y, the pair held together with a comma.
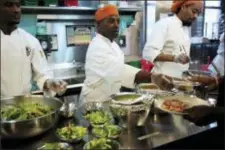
x: 72, y: 10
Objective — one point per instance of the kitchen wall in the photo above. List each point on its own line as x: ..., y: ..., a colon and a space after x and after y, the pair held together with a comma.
x: 64, y: 53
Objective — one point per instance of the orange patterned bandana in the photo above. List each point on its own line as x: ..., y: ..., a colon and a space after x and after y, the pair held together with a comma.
x: 106, y: 11
x: 178, y: 3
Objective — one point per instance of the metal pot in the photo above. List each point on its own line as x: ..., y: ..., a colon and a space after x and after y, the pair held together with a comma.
x: 31, y: 127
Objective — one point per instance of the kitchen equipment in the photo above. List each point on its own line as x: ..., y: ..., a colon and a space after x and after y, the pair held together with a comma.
x: 129, y: 98
x: 68, y: 109
x: 143, y: 118
x: 49, y: 43
x: 201, y: 90
x: 31, y: 127
x: 115, y: 145
x: 151, y: 89
x: 148, y: 136
x: 129, y: 115
x: 191, y: 101
x: 71, y: 133
x: 184, y: 86
x: 64, y: 70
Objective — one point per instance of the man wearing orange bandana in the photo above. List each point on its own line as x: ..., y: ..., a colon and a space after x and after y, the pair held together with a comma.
x: 104, y: 68
x: 168, y: 47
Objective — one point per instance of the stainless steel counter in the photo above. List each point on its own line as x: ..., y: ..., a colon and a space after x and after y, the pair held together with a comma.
x: 170, y: 128
x: 164, y: 128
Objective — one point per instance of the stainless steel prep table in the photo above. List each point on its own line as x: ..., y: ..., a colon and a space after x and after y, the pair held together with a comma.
x: 170, y: 127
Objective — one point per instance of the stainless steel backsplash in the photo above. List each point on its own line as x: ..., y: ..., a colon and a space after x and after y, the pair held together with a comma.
x: 65, y: 54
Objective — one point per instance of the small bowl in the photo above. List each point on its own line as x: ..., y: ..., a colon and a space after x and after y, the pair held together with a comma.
x: 69, y: 141
x: 78, y: 140
x: 148, y: 86
x: 113, y: 143
x: 117, y: 135
x: 105, y: 130
x: 65, y: 146
x: 99, y: 124
x: 185, y: 86
x: 97, y: 135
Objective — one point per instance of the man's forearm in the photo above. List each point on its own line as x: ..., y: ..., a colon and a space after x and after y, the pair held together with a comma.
x: 165, y: 57
x: 142, y: 77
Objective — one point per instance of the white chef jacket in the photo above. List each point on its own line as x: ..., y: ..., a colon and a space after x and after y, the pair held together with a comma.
x: 169, y: 37
x: 105, y: 70
x: 219, y: 59
x: 22, y: 60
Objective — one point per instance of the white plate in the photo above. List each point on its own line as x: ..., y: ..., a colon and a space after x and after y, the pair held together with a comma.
x: 130, y: 101
x: 190, y: 101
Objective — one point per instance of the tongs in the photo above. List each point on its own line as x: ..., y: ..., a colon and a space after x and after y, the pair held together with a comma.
x: 148, y: 136
x: 143, y: 119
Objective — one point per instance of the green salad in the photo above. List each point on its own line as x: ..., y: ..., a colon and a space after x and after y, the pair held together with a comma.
x: 113, y: 130
x: 102, y: 143
x: 107, y: 131
x: 98, y: 117
x: 71, y: 132
x: 24, y: 111
x: 99, y: 132
x: 56, y: 146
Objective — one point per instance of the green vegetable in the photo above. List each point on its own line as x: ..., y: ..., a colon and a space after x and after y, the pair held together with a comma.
x: 24, y: 111
x: 71, y: 132
x: 98, y: 117
x: 55, y: 146
x: 99, y: 132
x: 101, y: 143
x: 106, y: 131
x: 112, y: 130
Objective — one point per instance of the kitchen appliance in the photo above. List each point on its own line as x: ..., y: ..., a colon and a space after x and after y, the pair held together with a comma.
x: 77, y: 35
x: 48, y: 43
x: 31, y: 127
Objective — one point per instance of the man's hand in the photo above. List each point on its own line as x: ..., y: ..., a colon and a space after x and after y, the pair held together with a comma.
x: 163, y: 81
x: 200, y: 115
x: 206, y: 80
x: 182, y: 58
x: 58, y: 86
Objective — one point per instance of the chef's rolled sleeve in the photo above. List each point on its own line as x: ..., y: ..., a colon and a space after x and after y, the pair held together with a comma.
x: 40, y: 68
x: 128, y: 76
x: 155, y: 42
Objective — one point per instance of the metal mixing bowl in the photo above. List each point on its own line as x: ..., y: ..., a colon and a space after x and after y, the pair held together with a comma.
x: 31, y: 127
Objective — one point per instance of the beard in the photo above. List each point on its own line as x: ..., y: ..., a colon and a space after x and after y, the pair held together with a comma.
x: 186, y: 23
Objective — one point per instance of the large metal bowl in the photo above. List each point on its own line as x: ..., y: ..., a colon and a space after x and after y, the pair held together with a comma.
x: 31, y: 127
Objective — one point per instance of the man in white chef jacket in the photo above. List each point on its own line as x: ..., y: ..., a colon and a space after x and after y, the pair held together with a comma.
x: 168, y: 47
x: 219, y: 59
x: 104, y: 68
x: 22, y: 58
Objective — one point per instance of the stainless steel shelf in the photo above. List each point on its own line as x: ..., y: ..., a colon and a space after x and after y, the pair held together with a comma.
x: 72, y: 10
